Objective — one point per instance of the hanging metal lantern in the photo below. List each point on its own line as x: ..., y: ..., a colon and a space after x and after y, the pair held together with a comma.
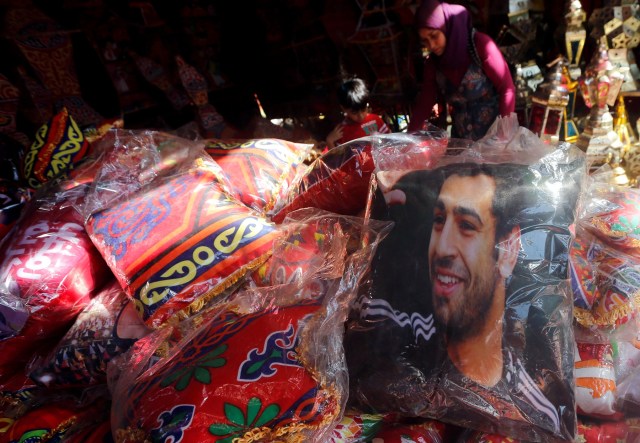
x: 600, y: 86
x: 548, y: 105
x: 575, y: 36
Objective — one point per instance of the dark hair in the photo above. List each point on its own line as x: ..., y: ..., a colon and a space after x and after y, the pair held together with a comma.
x: 353, y: 94
x: 512, y: 195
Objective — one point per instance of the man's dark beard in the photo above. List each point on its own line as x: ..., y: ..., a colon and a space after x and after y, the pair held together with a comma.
x: 468, y: 322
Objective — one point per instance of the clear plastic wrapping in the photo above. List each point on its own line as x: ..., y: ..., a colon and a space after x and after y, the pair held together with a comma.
x: 160, y: 214
x: 267, y: 365
x: 468, y: 316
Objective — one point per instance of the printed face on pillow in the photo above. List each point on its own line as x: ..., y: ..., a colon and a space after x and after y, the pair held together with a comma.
x: 462, y: 253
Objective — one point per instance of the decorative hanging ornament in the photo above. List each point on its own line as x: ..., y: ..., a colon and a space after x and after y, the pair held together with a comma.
x: 548, y: 104
x: 600, y: 86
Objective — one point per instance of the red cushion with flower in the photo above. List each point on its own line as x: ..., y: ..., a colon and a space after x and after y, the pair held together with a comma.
x: 239, y: 376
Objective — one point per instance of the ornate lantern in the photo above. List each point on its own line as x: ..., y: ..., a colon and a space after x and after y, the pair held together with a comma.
x: 575, y: 36
x: 548, y: 105
x: 600, y: 86
x: 523, y: 97
x: 618, y: 27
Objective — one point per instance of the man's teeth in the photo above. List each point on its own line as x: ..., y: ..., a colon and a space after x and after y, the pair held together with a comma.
x: 447, y: 279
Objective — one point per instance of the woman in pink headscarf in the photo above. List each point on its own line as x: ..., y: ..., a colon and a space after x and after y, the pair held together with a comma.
x: 465, y: 68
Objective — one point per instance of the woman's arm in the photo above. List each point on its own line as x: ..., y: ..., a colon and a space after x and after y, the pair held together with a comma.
x: 421, y: 110
x: 496, y: 69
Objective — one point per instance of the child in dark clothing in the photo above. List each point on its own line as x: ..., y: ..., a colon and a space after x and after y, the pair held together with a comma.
x: 353, y: 97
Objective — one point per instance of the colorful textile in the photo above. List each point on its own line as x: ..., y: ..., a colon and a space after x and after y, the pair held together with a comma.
x: 606, y: 432
x: 48, y: 49
x: 58, y: 145
x: 106, y: 328
x: 619, y: 223
x: 177, y: 245
x: 337, y: 182
x: 236, y: 376
x: 300, y: 254
x: 357, y: 428
x: 584, y: 255
x: 44, y: 424
x: 260, y: 171
x: 429, y: 432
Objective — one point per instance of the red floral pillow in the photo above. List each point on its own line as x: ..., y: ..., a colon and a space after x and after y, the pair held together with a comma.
x: 51, y: 264
x: 236, y: 376
x: 261, y: 171
x: 58, y: 145
x: 179, y: 243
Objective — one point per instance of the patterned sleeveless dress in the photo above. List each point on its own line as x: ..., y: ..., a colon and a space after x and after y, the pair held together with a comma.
x: 474, y: 102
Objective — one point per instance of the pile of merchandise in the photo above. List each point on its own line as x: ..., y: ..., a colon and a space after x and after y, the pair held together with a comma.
x: 400, y: 288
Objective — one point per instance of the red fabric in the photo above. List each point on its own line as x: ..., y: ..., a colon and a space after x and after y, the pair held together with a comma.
x: 337, y: 182
x: 178, y: 242
x: 607, y: 432
x: 429, y: 432
x: 620, y: 226
x: 236, y: 374
x: 50, y: 262
x: 372, y: 124
x: 261, y: 171
x: 59, y: 144
x: 50, y: 422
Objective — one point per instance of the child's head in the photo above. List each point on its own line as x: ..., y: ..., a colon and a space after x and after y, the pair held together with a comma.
x: 353, y: 97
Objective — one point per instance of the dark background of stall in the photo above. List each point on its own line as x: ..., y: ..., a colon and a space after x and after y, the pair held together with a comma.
x: 291, y: 54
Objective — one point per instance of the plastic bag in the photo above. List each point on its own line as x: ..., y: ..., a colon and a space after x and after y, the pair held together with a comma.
x: 171, y: 234
x: 107, y: 327
x: 468, y: 316
x: 260, y: 172
x: 339, y: 180
x: 49, y: 262
x: 266, y: 365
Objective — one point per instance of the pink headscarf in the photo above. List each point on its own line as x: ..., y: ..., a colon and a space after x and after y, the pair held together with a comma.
x: 455, y: 22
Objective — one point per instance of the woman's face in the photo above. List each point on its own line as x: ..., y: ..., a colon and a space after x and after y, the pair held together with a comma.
x: 433, y: 39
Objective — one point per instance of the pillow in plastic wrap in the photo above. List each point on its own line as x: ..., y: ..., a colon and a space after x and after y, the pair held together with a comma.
x: 49, y: 262
x: 58, y: 145
x: 239, y: 375
x: 468, y: 317
x: 179, y: 242
x: 260, y: 171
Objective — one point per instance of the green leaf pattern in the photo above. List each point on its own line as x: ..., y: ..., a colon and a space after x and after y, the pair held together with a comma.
x: 241, y: 424
x: 198, y: 370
